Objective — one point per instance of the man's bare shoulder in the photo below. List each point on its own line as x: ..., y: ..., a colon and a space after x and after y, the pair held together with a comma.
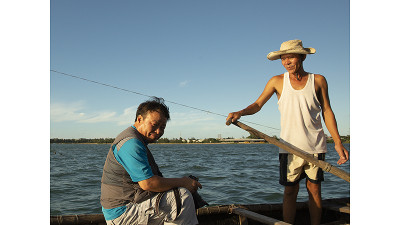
x: 275, y: 84
x: 319, y: 77
x: 320, y: 80
x: 278, y: 79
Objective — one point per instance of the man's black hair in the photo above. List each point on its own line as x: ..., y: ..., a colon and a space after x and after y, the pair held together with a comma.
x: 152, y: 105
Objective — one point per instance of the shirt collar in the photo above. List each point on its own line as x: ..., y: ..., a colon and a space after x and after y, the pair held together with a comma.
x: 145, y: 142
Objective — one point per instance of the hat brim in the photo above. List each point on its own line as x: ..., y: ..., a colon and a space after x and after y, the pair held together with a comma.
x: 276, y: 55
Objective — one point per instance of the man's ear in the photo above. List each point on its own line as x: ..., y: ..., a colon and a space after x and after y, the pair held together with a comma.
x: 139, y: 119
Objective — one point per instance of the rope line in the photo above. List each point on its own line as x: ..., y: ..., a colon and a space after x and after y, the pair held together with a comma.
x: 137, y: 93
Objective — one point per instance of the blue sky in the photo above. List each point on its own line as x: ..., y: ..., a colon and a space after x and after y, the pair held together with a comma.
x: 205, y: 54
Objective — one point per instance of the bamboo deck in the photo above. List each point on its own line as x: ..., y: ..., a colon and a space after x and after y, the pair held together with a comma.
x: 335, y: 211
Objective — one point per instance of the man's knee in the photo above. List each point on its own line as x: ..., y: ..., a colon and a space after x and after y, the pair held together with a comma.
x: 186, y: 197
x: 291, y: 191
x: 187, y: 214
x: 313, y: 188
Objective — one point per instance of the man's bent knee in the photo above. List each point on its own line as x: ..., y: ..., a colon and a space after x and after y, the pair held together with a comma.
x: 187, y: 214
x: 187, y: 200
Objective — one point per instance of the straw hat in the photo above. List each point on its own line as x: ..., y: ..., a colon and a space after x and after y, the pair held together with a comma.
x: 292, y: 46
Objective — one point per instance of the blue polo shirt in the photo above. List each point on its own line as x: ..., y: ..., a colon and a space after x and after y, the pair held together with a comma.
x: 133, y: 157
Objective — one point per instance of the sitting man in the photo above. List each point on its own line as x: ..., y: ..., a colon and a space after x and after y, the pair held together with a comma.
x: 133, y: 190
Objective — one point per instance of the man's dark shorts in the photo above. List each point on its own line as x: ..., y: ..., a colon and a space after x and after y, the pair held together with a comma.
x: 293, y: 169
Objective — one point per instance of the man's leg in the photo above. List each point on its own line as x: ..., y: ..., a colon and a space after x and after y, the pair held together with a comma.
x: 289, y: 203
x: 168, y: 209
x: 314, y: 204
x: 133, y: 214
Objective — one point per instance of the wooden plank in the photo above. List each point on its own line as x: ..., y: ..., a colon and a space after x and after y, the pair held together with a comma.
x: 258, y: 217
x: 291, y: 149
x: 77, y: 219
x: 340, y: 222
x: 337, y: 204
x: 342, y: 209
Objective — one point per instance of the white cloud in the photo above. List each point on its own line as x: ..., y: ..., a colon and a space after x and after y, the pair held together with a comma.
x: 79, y: 112
x: 60, y: 112
x: 76, y: 112
x: 183, y: 83
x: 99, y: 117
x: 128, y: 116
x: 187, y: 124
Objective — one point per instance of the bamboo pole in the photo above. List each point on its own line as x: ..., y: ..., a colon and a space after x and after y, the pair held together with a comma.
x: 306, y: 156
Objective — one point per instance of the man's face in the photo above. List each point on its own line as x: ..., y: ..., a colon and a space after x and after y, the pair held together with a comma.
x: 152, y: 126
x: 292, y: 62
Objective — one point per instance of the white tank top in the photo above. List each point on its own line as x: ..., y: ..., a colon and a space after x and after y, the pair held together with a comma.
x: 301, y: 125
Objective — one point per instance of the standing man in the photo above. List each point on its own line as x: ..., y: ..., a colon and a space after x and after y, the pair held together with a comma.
x: 301, y: 98
x: 133, y: 190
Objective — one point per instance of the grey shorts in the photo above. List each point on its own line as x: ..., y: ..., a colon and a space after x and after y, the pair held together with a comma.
x: 294, y: 168
x: 145, y: 212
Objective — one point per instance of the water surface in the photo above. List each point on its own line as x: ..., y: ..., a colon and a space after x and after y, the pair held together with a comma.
x: 229, y: 173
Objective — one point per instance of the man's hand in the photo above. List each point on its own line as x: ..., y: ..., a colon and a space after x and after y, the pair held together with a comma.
x: 191, y: 185
x: 343, y: 153
x: 233, y: 117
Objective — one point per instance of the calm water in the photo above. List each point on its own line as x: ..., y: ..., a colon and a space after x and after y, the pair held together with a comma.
x: 229, y: 173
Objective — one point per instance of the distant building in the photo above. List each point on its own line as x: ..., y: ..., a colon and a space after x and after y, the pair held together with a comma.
x: 243, y: 140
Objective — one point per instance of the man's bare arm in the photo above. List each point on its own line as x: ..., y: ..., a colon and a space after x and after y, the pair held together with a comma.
x: 160, y: 184
x: 329, y: 118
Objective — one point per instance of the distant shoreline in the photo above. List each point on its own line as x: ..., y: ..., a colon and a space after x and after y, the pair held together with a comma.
x: 344, y: 139
x: 160, y: 141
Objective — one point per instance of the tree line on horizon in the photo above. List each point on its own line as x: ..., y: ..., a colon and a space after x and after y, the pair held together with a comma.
x: 82, y: 140
x: 345, y: 139
x: 111, y: 140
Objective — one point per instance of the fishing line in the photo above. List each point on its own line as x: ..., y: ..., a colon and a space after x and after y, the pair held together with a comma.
x: 137, y: 93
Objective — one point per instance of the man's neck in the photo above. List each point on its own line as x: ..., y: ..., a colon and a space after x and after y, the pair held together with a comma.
x: 298, y: 75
